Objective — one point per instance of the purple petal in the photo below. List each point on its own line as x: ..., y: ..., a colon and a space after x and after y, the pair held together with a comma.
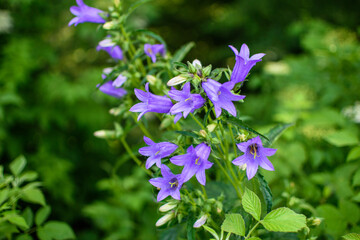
x: 75, y: 10
x: 139, y: 107
x: 243, y: 146
x: 163, y: 193
x: 251, y: 169
x: 176, y: 194
x: 157, y: 182
x: 119, y: 81
x: 188, y: 171
x: 244, y: 52
x: 266, y: 164
x: 74, y: 21
x: 268, y: 151
x: 151, y: 160
x: 141, y: 95
x: 148, y: 141
x: 146, y: 151
x: 203, y: 151
x: 167, y: 148
x: 177, y: 117
x: 234, y: 50
x: 180, y: 160
x: 239, y: 161
x: 257, y: 56
x: 201, y: 177
x: 165, y: 171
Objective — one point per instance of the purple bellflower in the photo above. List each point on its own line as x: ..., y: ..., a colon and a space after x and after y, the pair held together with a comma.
x: 169, y: 184
x: 156, y: 151
x: 150, y: 102
x: 85, y: 13
x: 195, y: 162
x: 119, y: 81
x: 243, y: 63
x: 152, y: 50
x: 113, y: 50
x: 220, y: 95
x: 254, y: 155
x: 187, y: 103
x: 109, y: 89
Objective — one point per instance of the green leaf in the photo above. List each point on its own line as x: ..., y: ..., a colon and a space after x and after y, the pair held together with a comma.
x: 190, y: 230
x: 251, y: 204
x: 28, y: 216
x: 187, y: 133
x: 17, y: 220
x: 275, y: 133
x: 353, y: 154
x: 55, y: 230
x: 352, y: 236
x: 356, y: 178
x: 180, y: 65
x: 42, y: 214
x: 135, y: 5
x: 234, y: 223
x: 34, y: 196
x: 266, y: 191
x: 181, y: 53
x: 17, y: 165
x: 342, y: 138
x: 24, y: 237
x: 211, y: 231
x: 284, y: 220
x: 151, y: 34
x: 254, y: 238
x: 334, y: 221
x: 350, y: 210
x: 244, y: 126
x: 4, y: 194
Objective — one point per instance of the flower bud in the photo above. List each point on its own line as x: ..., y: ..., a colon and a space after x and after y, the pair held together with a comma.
x: 115, y: 111
x: 203, y: 133
x: 191, y: 67
x: 201, y: 221
x: 196, y: 63
x: 164, y: 219
x: 167, y: 207
x: 206, y: 71
x: 105, y: 134
x: 176, y: 80
x: 316, y: 221
x: 108, y: 25
x: 151, y: 79
x: 241, y: 137
x: 243, y: 167
x: 211, y: 127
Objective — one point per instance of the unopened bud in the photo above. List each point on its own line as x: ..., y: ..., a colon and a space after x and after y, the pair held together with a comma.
x: 115, y: 111
x: 241, y: 137
x: 211, y: 127
x: 243, y: 167
x: 167, y: 207
x: 108, y: 25
x: 176, y: 80
x: 105, y: 134
x: 203, y: 133
x: 196, y: 63
x: 317, y: 221
x: 151, y: 79
x: 201, y: 221
x: 206, y: 71
x: 191, y: 67
x: 164, y: 219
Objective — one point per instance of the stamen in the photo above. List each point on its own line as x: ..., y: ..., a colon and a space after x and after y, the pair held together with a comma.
x: 187, y: 99
x: 173, y: 182
x: 157, y: 153
x: 218, y: 93
x: 253, y: 150
x: 197, y: 161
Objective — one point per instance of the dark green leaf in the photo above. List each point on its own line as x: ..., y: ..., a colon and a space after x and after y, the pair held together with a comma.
x: 55, y: 230
x: 135, y: 5
x: 190, y: 230
x: 275, y: 133
x: 42, y: 214
x: 242, y: 125
x: 265, y: 190
x: 181, y: 53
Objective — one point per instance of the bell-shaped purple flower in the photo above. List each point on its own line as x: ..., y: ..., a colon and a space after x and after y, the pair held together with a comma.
x: 169, y: 184
x: 255, y: 155
x: 156, y: 151
x: 85, y: 13
x: 150, y: 102
x: 152, y: 50
x: 195, y: 162
x: 243, y: 63
x: 220, y: 95
x: 109, y: 89
x: 187, y: 102
x: 111, y: 48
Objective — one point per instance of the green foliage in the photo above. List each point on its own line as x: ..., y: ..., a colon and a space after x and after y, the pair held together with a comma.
x: 251, y: 204
x: 284, y: 220
x: 234, y: 223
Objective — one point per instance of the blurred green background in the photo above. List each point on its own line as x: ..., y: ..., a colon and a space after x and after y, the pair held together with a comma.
x: 49, y: 106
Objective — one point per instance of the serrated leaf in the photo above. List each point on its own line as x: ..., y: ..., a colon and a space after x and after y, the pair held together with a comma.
x: 352, y: 236
x: 17, y: 165
x: 55, y: 230
x: 181, y: 53
x: 34, y: 196
x: 251, y: 204
x: 239, y: 123
x: 42, y: 214
x: 266, y: 191
x: 275, y: 133
x: 234, y: 223
x: 284, y: 220
x: 353, y: 154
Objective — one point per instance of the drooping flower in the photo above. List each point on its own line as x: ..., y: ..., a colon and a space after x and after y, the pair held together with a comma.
x: 85, y: 13
x: 243, y: 63
x: 156, y: 151
x: 201, y: 221
x: 195, y: 162
x: 152, y: 50
x: 109, y: 89
x: 221, y: 96
x: 187, y: 102
x: 255, y: 155
x: 111, y: 48
x: 169, y: 184
x: 150, y: 102
x: 119, y: 81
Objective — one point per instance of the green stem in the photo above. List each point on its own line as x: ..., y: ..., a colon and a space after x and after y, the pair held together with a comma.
x: 197, y: 121
x: 204, y: 191
x: 142, y: 127
x: 252, y: 229
x: 233, y: 139
x: 132, y: 155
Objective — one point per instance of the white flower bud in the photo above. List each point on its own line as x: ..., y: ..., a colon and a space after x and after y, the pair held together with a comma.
x: 167, y: 207
x: 201, y: 221
x: 203, y: 133
x: 164, y: 219
x: 151, y: 79
x: 105, y: 134
x: 197, y: 63
x: 108, y: 25
x: 176, y: 80
x: 243, y: 167
x: 211, y: 127
x: 106, y: 43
